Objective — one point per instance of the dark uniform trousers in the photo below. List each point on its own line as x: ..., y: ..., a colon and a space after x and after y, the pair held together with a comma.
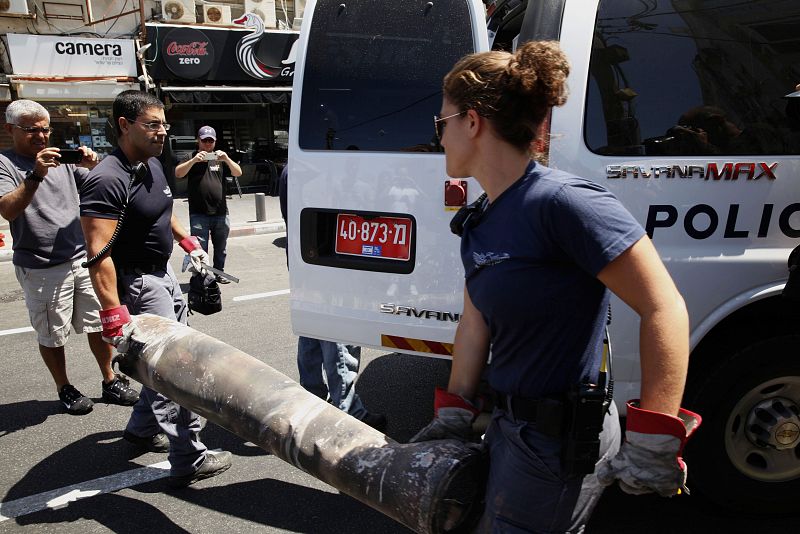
x: 158, y: 292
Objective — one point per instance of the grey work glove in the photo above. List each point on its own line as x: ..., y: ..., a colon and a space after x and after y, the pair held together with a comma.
x: 196, y: 258
x: 452, y: 420
x: 650, y: 459
x: 126, y: 341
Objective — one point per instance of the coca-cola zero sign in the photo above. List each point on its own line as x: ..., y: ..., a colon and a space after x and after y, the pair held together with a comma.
x: 188, y: 53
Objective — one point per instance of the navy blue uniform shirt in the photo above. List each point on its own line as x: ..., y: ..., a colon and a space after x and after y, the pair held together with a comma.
x: 146, y: 235
x: 531, y: 262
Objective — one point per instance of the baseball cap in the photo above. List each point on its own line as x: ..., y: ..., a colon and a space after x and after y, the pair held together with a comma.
x: 205, y: 132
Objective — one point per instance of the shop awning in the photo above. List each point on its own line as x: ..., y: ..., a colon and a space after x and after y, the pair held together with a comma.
x: 71, y: 89
x: 228, y: 94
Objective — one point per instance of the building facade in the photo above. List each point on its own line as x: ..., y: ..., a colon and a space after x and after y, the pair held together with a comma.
x: 227, y: 63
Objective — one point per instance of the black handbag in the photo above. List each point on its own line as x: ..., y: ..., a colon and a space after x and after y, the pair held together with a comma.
x: 204, y: 294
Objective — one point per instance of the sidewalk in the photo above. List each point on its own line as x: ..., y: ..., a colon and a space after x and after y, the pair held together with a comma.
x: 242, y: 213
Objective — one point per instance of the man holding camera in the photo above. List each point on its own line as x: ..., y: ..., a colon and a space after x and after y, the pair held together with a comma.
x: 208, y: 210
x: 39, y: 197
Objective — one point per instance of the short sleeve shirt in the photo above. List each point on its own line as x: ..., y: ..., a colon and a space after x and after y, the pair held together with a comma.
x: 206, y: 188
x: 531, y: 262
x: 48, y: 232
x: 146, y: 234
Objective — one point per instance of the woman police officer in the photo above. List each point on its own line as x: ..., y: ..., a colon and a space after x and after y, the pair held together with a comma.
x: 539, y: 260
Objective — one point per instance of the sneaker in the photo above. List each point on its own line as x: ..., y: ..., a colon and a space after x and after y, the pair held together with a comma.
x: 120, y: 392
x: 74, y: 402
x: 157, y: 443
x: 222, y: 280
x: 375, y: 420
x: 214, y: 464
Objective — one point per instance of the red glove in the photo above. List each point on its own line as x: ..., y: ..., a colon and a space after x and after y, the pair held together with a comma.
x: 197, y: 257
x: 189, y: 243
x: 113, y: 319
x: 444, y: 399
x: 650, y: 459
x: 453, y: 417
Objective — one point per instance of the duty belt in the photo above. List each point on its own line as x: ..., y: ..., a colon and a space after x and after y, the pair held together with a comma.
x: 547, y: 414
x: 142, y: 268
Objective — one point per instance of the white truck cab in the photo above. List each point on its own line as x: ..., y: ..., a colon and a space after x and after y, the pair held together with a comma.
x: 677, y: 107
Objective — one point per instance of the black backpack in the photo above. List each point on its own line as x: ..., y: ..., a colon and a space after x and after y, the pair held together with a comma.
x: 204, y: 294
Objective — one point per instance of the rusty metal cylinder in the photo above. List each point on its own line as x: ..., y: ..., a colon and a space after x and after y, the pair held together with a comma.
x: 429, y: 487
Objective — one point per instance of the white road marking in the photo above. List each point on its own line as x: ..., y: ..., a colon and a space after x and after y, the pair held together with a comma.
x: 15, y: 331
x: 59, y: 498
x: 235, y: 299
x: 261, y: 295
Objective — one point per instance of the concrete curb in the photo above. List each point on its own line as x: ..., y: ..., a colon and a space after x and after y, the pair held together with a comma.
x: 274, y: 227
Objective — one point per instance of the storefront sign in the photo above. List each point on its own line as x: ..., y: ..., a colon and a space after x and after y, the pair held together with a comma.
x: 188, y: 53
x: 263, y: 57
x: 52, y: 55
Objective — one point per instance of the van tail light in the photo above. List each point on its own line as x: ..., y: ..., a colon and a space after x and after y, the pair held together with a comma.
x: 540, y: 147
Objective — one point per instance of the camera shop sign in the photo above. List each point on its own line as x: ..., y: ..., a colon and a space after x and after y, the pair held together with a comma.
x: 53, y: 55
x: 188, y: 53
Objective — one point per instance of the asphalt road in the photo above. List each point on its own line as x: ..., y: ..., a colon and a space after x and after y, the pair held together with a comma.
x: 61, y: 473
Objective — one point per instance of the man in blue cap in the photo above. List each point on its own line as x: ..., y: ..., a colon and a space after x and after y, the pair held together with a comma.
x: 208, y: 210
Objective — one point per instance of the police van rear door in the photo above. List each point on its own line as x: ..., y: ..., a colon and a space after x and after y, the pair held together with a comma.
x: 372, y: 261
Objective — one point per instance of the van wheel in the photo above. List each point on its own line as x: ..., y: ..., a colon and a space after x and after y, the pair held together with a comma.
x: 746, y: 452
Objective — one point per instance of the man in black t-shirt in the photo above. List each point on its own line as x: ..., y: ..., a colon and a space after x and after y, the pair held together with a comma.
x: 127, y: 196
x: 208, y: 211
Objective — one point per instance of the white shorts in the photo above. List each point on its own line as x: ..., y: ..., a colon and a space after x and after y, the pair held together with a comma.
x: 57, y: 297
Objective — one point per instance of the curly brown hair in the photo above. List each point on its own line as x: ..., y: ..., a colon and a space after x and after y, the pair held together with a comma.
x: 514, y: 91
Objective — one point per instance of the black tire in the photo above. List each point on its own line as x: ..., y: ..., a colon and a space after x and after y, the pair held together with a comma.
x: 725, y: 469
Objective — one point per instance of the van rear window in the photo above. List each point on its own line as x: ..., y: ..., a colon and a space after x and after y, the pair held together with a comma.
x: 694, y: 78
x: 373, y: 72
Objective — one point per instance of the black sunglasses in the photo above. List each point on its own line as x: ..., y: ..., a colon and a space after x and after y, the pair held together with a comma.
x: 439, y: 124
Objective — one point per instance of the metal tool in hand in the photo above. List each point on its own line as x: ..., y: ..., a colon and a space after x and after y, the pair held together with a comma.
x: 223, y: 274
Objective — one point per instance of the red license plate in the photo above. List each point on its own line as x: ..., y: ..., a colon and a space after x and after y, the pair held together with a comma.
x: 377, y: 237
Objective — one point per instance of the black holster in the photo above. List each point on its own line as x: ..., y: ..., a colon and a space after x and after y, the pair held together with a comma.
x: 586, y: 405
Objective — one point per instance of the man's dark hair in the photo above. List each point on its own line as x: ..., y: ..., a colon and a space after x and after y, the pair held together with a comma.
x: 131, y: 104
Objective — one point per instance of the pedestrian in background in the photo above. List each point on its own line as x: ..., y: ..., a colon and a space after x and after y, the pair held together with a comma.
x: 129, y: 188
x: 540, y: 256
x: 39, y: 197
x: 338, y: 362
x: 208, y: 209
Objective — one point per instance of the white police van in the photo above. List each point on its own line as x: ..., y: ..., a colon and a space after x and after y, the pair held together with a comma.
x: 676, y: 106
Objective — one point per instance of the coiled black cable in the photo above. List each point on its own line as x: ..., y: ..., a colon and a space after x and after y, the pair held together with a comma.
x: 137, y: 172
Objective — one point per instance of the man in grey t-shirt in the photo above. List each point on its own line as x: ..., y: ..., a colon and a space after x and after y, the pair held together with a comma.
x: 39, y: 197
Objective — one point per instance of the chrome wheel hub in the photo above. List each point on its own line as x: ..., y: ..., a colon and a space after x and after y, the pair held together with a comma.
x: 774, y: 423
x: 762, y: 433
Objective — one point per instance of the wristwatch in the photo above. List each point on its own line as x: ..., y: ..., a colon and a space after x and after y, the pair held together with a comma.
x: 31, y: 175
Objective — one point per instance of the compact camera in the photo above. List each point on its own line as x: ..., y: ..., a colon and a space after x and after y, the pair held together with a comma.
x: 211, y: 156
x: 69, y: 155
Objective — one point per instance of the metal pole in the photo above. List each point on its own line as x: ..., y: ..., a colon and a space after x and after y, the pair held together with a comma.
x: 429, y: 487
x: 261, y: 207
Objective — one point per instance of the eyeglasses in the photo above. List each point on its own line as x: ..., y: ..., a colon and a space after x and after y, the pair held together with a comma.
x: 207, y: 140
x: 440, y: 123
x: 33, y: 130
x: 153, y: 126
